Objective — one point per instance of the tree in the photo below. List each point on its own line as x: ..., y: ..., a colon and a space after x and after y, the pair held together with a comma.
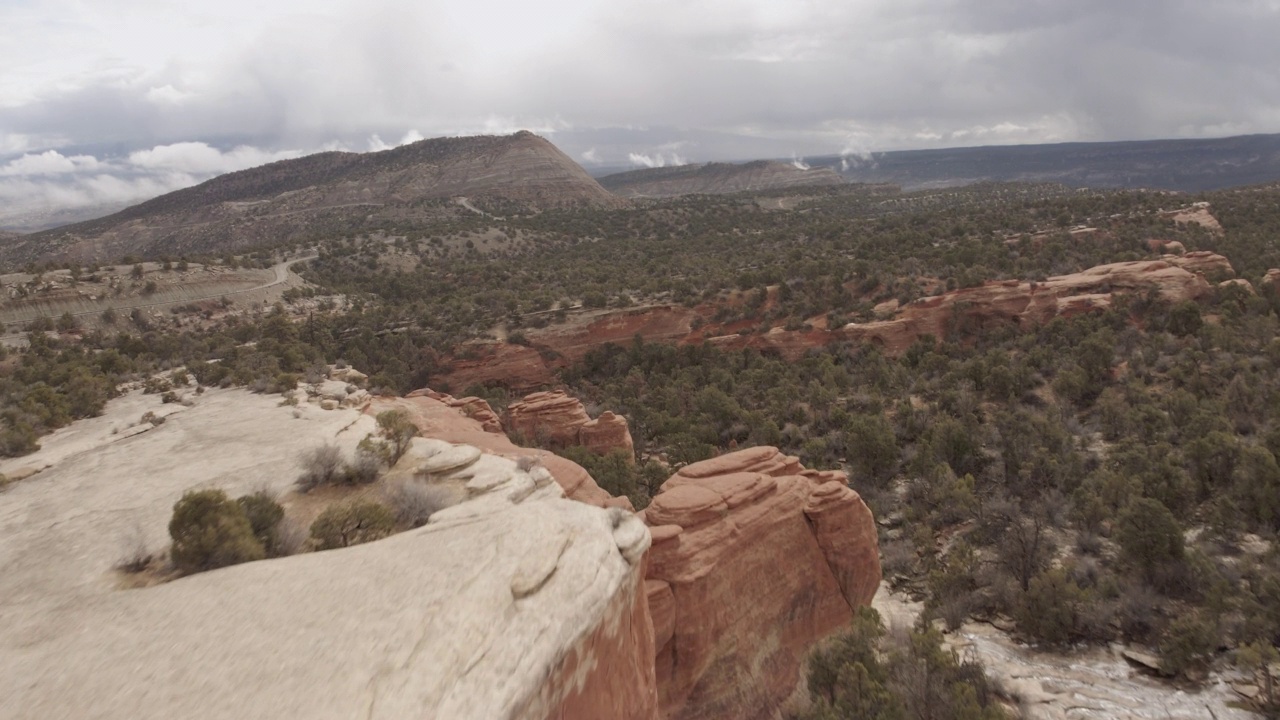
x: 871, y: 448
x: 398, y: 430
x: 1149, y: 536
x: 211, y: 531
x: 352, y: 524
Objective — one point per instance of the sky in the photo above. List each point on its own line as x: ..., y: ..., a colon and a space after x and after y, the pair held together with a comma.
x: 116, y: 101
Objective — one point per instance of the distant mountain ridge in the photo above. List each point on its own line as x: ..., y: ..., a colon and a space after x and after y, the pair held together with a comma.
x: 716, y: 179
x: 1183, y: 165
x: 327, y: 192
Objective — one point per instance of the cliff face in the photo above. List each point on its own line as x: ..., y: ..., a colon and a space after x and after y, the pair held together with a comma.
x: 947, y: 316
x: 717, y: 179
x: 754, y: 559
x: 332, y: 191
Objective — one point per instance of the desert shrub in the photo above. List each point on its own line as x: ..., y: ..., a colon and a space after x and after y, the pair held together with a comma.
x: 1149, y: 536
x: 864, y: 673
x: 414, y: 502
x: 1187, y: 645
x: 211, y: 531
x: 1050, y: 611
x: 365, y: 468
x: 352, y: 523
x: 398, y: 431
x: 264, y: 515
x: 320, y: 466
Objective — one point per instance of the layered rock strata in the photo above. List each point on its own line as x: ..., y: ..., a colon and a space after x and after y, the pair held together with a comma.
x: 560, y: 420
x: 754, y: 559
x: 949, y: 315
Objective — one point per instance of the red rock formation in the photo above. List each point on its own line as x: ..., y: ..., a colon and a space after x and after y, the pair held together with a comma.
x: 515, y: 367
x: 727, y: 624
x: 1271, y: 281
x: 607, y: 433
x: 475, y: 408
x: 437, y: 419
x: 550, y: 417
x: 733, y: 624
x: 1204, y: 262
x: 1175, y: 277
x: 559, y: 419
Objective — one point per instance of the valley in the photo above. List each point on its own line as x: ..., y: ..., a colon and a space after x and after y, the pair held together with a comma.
x: 1046, y: 416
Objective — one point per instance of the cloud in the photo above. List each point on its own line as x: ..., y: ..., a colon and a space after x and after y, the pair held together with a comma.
x: 656, y: 160
x: 590, y: 156
x: 50, y: 162
x: 744, y: 76
x: 197, y: 158
x: 799, y: 163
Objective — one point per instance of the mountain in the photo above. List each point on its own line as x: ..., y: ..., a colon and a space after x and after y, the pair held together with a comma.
x: 716, y: 179
x: 1186, y: 165
x: 330, y: 193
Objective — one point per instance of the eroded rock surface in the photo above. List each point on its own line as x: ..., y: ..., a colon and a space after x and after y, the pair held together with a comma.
x: 754, y: 559
x: 516, y: 603
x: 1175, y: 278
x: 560, y: 420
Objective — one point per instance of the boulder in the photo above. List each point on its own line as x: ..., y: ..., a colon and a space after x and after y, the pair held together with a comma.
x: 550, y: 417
x: 743, y: 621
x: 607, y: 433
x: 1203, y: 262
x: 348, y: 375
x: 559, y: 420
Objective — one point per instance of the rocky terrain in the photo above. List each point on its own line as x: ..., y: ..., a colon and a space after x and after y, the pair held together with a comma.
x: 716, y: 179
x: 535, y: 596
x: 946, y: 315
x: 332, y: 192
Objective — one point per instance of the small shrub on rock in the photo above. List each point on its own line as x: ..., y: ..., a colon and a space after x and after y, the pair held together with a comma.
x: 320, y: 466
x: 352, y: 524
x: 211, y: 531
x: 264, y: 515
x: 414, y: 502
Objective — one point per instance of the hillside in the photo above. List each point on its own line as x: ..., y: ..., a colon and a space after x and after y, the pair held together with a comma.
x: 1186, y: 165
x: 331, y: 193
x: 715, y: 179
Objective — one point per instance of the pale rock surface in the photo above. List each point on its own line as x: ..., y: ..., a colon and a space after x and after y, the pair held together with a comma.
x: 515, y: 604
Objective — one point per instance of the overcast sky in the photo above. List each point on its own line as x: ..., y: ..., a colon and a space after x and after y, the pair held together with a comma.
x: 117, y: 100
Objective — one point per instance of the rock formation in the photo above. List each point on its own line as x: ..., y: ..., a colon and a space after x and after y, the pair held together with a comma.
x: 607, y: 433
x: 436, y: 417
x: 732, y: 623
x: 516, y: 603
x: 523, y: 369
x: 1176, y: 278
x: 560, y: 420
x: 717, y: 179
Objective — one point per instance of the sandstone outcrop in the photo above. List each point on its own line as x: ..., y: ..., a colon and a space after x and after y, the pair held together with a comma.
x: 516, y: 603
x: 551, y: 417
x: 732, y: 624
x: 607, y: 433
x: 560, y: 420
x: 438, y: 419
x: 1271, y: 281
x: 1176, y: 278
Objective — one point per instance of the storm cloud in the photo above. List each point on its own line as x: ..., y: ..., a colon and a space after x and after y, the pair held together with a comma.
x: 217, y: 85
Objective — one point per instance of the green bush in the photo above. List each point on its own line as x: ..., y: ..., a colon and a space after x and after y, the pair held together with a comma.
x: 352, y: 524
x: 264, y: 515
x: 211, y: 531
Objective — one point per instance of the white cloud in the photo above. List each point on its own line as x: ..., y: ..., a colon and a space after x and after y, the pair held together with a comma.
x: 50, y: 162
x: 590, y: 156
x: 198, y: 158
x: 656, y: 160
